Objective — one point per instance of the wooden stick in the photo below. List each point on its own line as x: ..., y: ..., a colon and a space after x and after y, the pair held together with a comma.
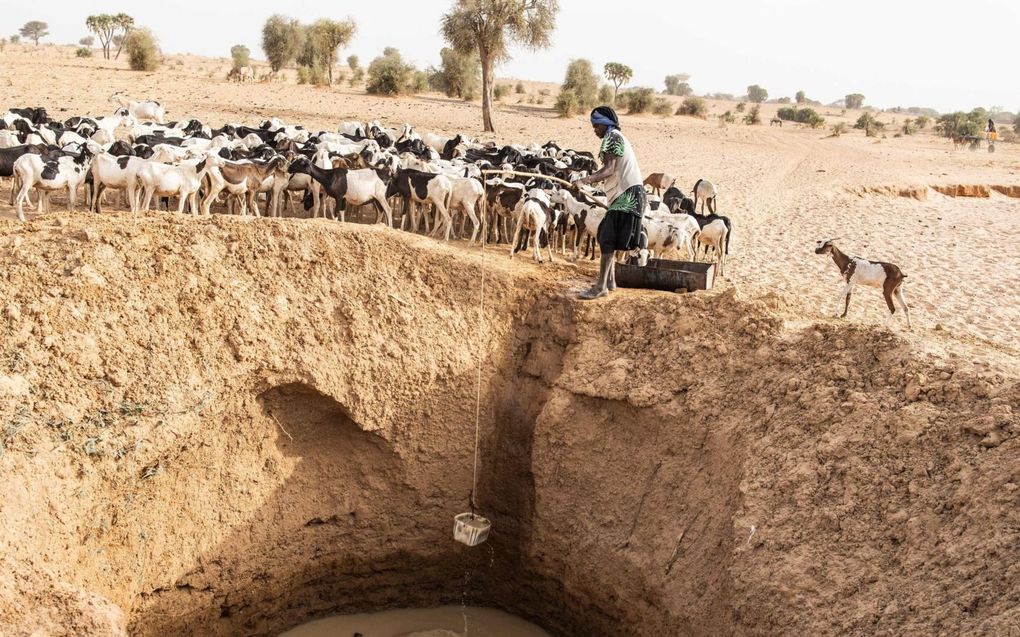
x: 550, y: 178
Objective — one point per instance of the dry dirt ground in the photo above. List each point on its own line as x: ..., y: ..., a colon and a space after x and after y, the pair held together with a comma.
x: 224, y: 426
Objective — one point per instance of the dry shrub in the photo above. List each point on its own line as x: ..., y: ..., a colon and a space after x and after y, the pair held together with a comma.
x: 142, y: 50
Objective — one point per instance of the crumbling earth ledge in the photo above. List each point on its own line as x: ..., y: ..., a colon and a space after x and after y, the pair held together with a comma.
x: 219, y: 427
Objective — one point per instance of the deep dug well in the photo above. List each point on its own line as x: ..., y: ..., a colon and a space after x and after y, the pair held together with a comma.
x: 217, y: 427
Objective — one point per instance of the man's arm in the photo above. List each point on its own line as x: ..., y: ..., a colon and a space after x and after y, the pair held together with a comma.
x: 606, y: 172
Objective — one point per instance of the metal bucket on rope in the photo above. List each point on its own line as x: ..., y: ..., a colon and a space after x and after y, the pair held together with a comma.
x: 470, y: 528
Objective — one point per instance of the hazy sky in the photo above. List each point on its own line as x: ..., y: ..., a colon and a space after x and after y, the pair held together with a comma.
x: 933, y: 53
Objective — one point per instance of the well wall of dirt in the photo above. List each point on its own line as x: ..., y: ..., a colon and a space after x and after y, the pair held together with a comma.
x: 220, y: 427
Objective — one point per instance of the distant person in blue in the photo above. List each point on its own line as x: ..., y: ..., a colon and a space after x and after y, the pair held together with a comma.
x: 620, y: 177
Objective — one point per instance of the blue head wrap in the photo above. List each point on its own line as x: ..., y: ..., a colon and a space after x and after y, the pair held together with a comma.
x: 605, y: 116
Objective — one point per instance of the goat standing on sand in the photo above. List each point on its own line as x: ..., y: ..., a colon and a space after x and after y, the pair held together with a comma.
x: 706, y: 192
x: 659, y: 182
x: 145, y: 111
x: 878, y: 274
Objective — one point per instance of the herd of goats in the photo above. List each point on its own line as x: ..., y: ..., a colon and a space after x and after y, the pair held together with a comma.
x: 437, y: 182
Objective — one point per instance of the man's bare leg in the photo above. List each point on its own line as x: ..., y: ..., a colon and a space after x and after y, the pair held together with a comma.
x: 601, y: 286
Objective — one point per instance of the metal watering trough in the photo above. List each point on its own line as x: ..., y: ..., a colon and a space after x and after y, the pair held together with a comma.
x: 663, y: 274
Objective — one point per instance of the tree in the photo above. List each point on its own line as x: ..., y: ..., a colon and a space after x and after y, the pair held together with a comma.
x: 677, y: 85
x: 458, y: 75
x: 388, y: 74
x: 102, y: 25
x: 15, y: 39
x: 88, y: 40
x: 490, y: 27
x: 618, y: 74
x: 1016, y: 125
x: 126, y: 24
x: 35, y: 30
x: 581, y: 79
x: 327, y: 36
x: 142, y: 50
x: 800, y: 97
x: 282, y: 40
x: 756, y: 94
x: 240, y: 55
x: 854, y: 100
x: 353, y: 62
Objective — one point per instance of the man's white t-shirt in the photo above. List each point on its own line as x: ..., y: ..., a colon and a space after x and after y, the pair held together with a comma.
x: 627, y: 174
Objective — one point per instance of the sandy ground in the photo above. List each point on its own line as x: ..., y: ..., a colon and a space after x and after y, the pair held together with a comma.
x: 783, y: 188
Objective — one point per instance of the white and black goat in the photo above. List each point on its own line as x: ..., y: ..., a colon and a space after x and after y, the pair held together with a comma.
x: 47, y: 175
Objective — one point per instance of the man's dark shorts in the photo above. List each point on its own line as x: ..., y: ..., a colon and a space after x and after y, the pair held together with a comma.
x: 621, y: 228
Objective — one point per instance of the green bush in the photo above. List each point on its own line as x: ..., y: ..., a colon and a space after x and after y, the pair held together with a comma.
x: 606, y: 94
x: 639, y: 100
x: 869, y: 124
x: 783, y: 100
x: 801, y: 115
x: 922, y: 121
x: 142, y: 50
x: 567, y: 103
x: 357, y: 76
x: 15, y: 39
x: 314, y: 74
x: 545, y: 92
x: 420, y: 81
x: 500, y: 91
x: 83, y: 52
x: 741, y: 106
x: 458, y: 75
x: 1016, y: 125
x: 240, y: 54
x: 909, y: 128
x: 754, y: 117
x: 838, y: 129
x: 728, y: 117
x: 581, y: 79
x: 519, y: 89
x: 388, y: 74
x: 694, y: 107
x: 662, y: 106
x: 960, y: 124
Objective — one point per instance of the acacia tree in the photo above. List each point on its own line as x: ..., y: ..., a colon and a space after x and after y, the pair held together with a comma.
x: 800, y: 97
x: 240, y: 54
x: 854, y: 100
x: 126, y: 24
x: 677, y: 85
x: 618, y: 74
x: 35, y: 30
x: 282, y: 40
x: 757, y: 94
x: 102, y: 25
x: 490, y: 26
x: 327, y: 36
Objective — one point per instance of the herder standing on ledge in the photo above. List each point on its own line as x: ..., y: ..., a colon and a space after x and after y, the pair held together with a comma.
x: 621, y: 228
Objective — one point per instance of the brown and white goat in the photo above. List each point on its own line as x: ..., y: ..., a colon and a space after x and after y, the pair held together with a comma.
x: 856, y: 270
